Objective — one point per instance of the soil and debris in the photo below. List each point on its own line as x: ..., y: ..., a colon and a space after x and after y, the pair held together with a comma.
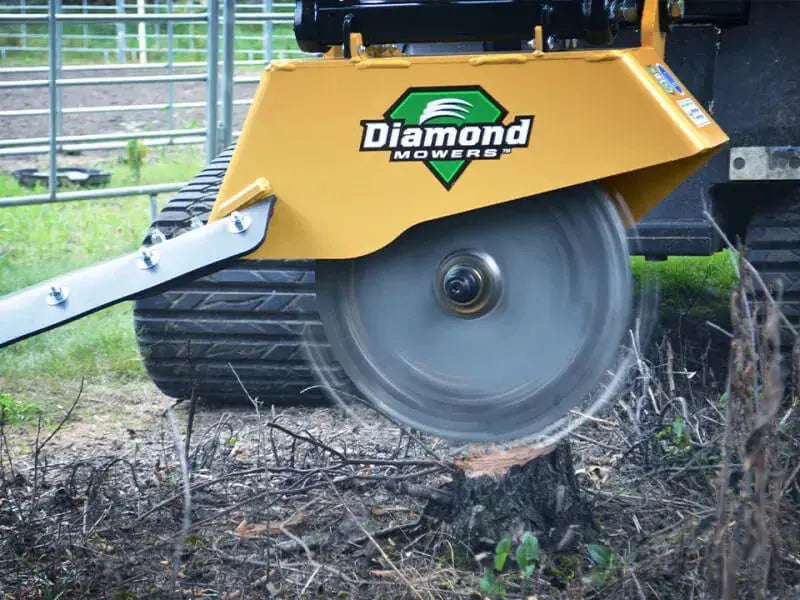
x: 685, y: 487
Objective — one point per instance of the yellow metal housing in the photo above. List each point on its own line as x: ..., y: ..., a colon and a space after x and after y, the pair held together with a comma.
x: 607, y: 116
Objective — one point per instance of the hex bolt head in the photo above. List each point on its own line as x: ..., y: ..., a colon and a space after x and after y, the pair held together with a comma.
x: 238, y: 223
x: 148, y: 259
x: 156, y: 237
x: 675, y: 9
x: 57, y: 294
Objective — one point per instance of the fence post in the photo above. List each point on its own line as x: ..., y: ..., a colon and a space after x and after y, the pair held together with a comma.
x: 266, y: 29
x: 212, y: 49
x: 121, y: 43
x: 142, y: 37
x: 153, y: 207
x: 85, y: 27
x: 59, y: 63
x: 191, y: 26
x: 170, y: 71
x: 228, y: 31
x: 24, y: 28
x: 52, y: 60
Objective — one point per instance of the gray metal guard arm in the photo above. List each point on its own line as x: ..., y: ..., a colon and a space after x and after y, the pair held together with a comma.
x: 39, y: 308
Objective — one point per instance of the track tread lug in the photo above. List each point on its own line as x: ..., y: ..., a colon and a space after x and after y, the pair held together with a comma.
x: 773, y: 248
x: 255, y: 315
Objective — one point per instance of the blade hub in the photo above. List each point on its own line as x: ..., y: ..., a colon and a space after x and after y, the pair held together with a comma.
x: 468, y: 283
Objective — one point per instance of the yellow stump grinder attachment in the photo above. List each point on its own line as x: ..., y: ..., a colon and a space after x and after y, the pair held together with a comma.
x: 466, y: 211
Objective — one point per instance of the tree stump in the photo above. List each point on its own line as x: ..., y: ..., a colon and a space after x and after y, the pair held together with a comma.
x: 491, y: 497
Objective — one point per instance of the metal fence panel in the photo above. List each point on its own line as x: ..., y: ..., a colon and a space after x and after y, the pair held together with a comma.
x: 155, y: 35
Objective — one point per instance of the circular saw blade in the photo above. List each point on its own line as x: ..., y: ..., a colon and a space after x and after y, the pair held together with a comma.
x: 559, y: 292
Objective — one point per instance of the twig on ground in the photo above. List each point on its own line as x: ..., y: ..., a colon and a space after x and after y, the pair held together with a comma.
x: 309, y: 439
x: 403, y: 429
x: 187, y: 497
x: 716, y: 327
x: 190, y: 423
x: 64, y: 419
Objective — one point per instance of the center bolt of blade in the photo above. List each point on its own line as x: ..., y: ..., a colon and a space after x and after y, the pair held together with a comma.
x: 468, y: 283
x: 462, y: 284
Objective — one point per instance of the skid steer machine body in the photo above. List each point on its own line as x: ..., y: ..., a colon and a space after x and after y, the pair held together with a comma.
x: 354, y: 151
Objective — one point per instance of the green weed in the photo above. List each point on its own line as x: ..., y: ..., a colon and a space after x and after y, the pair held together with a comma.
x: 606, y: 563
x: 526, y: 557
x: 136, y: 152
x: 697, y: 287
x: 14, y: 411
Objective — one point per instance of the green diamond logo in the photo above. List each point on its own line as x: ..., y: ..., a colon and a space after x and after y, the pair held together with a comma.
x: 446, y: 128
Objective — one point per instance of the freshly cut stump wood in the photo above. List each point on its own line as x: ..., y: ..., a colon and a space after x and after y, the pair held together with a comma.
x: 541, y: 495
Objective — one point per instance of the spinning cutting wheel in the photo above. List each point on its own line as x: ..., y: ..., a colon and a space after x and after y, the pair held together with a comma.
x: 488, y: 325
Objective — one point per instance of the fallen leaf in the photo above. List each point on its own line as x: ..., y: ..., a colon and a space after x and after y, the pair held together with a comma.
x: 377, y: 511
x: 245, y: 529
x: 196, y: 592
x: 383, y: 573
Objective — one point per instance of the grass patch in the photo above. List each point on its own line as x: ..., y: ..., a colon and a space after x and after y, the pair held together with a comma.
x: 714, y: 274
x: 42, y: 241
x: 695, y: 286
x: 14, y: 411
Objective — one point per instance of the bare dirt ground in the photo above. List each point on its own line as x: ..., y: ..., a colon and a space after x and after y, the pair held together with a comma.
x: 110, y: 122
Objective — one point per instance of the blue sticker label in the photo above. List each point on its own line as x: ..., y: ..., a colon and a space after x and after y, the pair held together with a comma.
x: 669, y: 78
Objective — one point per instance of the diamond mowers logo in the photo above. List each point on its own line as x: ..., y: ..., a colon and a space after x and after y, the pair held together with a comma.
x: 446, y: 128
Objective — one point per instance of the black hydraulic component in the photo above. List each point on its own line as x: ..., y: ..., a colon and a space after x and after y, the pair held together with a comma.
x: 716, y: 12
x: 64, y: 175
x: 321, y: 24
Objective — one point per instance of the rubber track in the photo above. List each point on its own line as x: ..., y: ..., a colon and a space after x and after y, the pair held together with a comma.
x: 773, y: 248
x: 254, y: 316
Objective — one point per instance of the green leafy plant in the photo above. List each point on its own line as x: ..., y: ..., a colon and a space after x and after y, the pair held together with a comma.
x: 492, y: 586
x: 16, y: 412
x: 501, y: 553
x: 135, y: 153
x: 674, y: 438
x: 603, y: 558
x: 526, y: 557
x: 600, y: 555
